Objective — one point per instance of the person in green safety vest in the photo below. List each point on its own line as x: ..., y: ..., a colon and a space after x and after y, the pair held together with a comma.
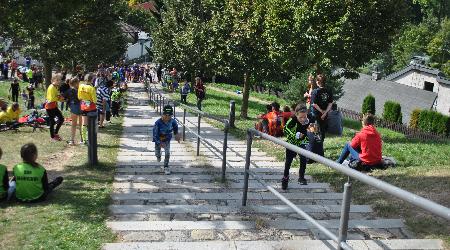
x: 4, y: 185
x: 297, y: 130
x: 31, y: 178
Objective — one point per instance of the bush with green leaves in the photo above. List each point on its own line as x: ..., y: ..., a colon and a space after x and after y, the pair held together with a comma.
x: 414, y: 120
x: 368, y: 105
x: 432, y: 121
x: 392, y: 112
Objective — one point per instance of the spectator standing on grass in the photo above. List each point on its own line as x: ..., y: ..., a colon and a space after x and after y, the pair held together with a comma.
x: 31, y: 98
x: 14, y: 89
x: 321, y: 101
x: 310, y: 87
x: 103, y: 96
x: 5, y: 70
x: 13, y: 66
x: 73, y: 102
x: 30, y: 177
x: 200, y: 92
x: 51, y: 106
x: 88, y: 100
x: 185, y: 89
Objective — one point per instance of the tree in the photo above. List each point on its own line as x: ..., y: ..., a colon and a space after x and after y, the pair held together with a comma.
x: 67, y: 32
x: 435, y: 8
x: 412, y: 41
x: 368, y: 105
x: 439, y: 47
x: 330, y: 33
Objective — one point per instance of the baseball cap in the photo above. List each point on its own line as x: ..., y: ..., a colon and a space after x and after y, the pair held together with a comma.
x: 167, y: 110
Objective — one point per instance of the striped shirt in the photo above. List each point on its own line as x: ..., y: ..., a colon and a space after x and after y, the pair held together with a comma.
x: 103, y: 93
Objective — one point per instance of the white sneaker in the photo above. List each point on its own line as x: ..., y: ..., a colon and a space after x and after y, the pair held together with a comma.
x: 167, y: 171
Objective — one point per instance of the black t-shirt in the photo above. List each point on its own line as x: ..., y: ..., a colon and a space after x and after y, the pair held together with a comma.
x: 30, y: 91
x: 15, y: 87
x: 321, y: 97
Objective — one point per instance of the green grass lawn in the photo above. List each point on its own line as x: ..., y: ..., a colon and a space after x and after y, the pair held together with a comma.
x: 74, y: 215
x: 423, y: 166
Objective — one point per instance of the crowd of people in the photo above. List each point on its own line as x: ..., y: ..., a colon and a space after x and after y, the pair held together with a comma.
x: 306, y: 125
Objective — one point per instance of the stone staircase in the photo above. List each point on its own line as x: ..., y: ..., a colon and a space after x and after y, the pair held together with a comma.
x: 193, y: 209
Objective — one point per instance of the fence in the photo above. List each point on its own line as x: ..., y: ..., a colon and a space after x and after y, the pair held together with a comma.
x: 409, y: 132
x: 340, y: 239
x: 159, y: 101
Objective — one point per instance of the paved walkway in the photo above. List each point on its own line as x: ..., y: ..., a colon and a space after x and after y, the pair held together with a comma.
x: 192, y: 209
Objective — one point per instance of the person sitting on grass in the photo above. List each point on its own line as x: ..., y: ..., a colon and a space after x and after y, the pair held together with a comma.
x: 31, y: 178
x: 365, y: 146
x: 296, y: 131
x: 11, y: 115
x: 275, y: 119
x: 4, y: 185
x: 162, y: 134
x: 287, y: 114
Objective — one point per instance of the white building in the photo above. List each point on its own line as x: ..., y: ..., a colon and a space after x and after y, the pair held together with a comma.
x: 427, y: 79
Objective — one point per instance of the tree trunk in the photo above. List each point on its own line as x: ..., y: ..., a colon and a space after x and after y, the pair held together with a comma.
x: 47, y: 72
x: 245, y: 96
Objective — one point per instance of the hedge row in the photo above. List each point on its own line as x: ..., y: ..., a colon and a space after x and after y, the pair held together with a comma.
x: 432, y: 121
x: 368, y: 105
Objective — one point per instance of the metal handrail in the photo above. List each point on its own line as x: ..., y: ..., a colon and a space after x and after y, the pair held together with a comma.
x: 414, y: 199
x: 158, y: 102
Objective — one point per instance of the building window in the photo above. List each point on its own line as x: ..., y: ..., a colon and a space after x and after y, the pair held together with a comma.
x: 428, y: 86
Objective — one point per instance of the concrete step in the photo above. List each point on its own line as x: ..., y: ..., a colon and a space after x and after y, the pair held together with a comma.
x: 192, y: 157
x: 224, y: 196
x: 289, y: 244
x: 206, y: 187
x: 194, y: 177
x: 177, y: 161
x: 247, y: 225
x: 192, y: 171
x: 223, y: 199
x: 187, y: 151
x: 214, y: 209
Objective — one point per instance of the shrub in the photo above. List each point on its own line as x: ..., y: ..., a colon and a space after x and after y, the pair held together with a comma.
x: 392, y: 112
x: 414, y: 120
x: 368, y: 105
x: 431, y: 121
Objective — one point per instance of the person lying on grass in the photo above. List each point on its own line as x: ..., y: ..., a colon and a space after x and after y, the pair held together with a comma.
x: 30, y: 178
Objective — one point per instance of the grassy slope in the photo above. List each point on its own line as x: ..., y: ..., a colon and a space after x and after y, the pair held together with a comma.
x: 423, y: 166
x: 74, y: 216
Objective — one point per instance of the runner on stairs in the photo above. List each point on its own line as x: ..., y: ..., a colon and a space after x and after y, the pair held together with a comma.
x: 162, y: 134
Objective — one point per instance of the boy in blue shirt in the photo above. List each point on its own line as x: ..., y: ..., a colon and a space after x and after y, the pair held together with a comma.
x: 162, y: 134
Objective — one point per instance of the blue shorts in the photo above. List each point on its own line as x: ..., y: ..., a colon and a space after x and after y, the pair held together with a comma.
x: 75, y: 108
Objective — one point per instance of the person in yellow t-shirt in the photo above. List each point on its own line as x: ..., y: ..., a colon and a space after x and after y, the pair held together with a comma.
x: 51, y: 106
x: 11, y: 115
x: 88, y: 99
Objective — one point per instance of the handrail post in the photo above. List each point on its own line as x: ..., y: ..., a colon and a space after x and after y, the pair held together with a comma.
x: 198, y: 132
x: 247, y: 166
x: 157, y: 104
x: 174, y: 106
x: 343, y: 225
x: 224, y: 153
x: 161, y: 107
x: 154, y: 100
x: 232, y: 115
x: 184, y: 124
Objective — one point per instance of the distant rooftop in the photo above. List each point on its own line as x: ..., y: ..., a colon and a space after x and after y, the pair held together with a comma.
x: 410, y: 98
x: 440, y: 77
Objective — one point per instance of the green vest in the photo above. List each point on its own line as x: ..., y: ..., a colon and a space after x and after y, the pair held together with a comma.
x: 28, y: 181
x: 2, y: 175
